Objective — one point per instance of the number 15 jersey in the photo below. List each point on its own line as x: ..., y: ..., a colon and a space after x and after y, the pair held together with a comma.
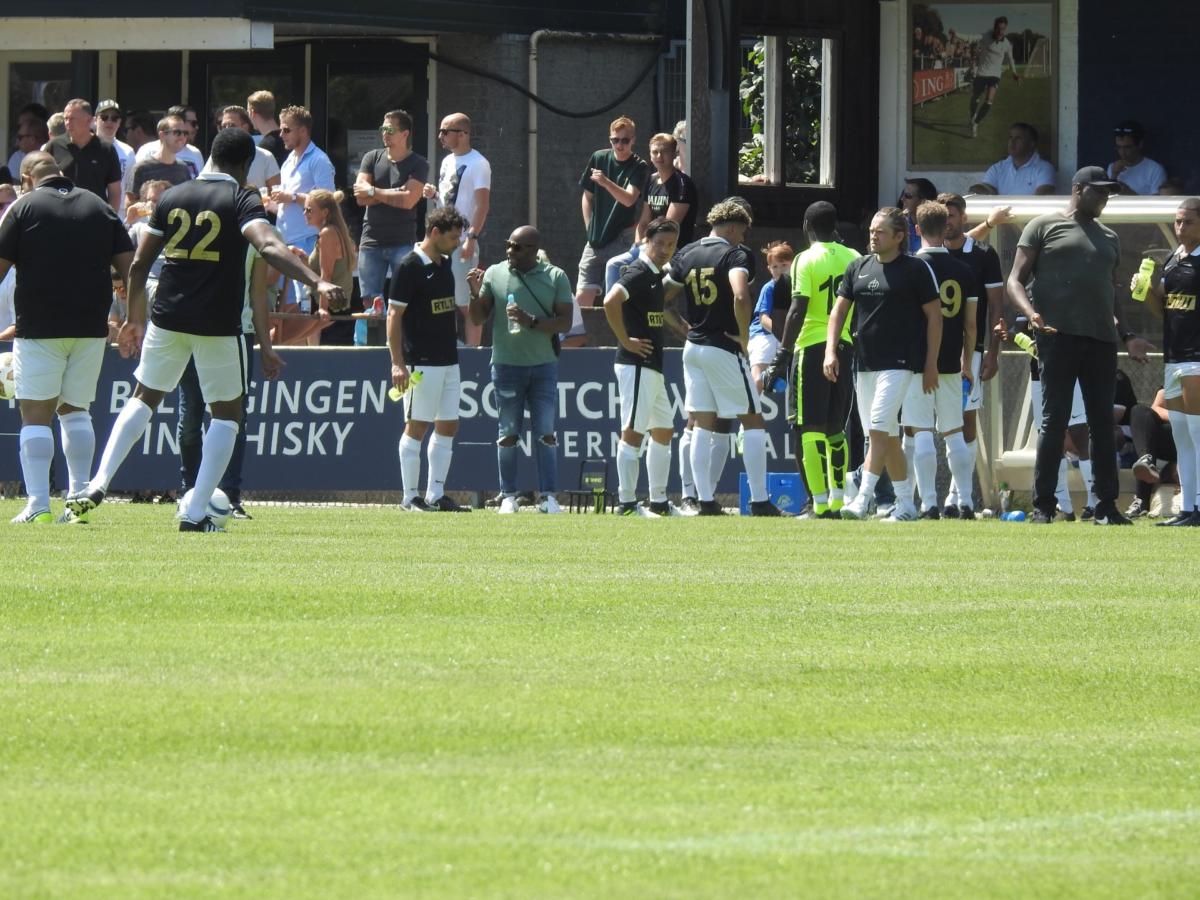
x: 703, y: 268
x: 816, y: 274
x: 201, y: 289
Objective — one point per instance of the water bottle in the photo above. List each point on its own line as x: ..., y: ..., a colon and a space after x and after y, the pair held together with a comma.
x: 396, y: 395
x: 514, y: 327
x: 1025, y: 342
x: 1144, y: 273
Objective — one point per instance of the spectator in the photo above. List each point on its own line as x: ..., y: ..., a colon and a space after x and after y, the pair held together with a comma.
x: 56, y: 125
x: 88, y: 161
x: 137, y: 222
x: 261, y: 106
x: 916, y: 191
x: 305, y: 169
x: 774, y: 301
x: 31, y: 135
x: 140, y: 128
x: 610, y: 213
x: 1023, y: 172
x: 164, y: 164
x: 681, y: 145
x: 185, y: 153
x: 334, y: 255
x: 669, y: 192
x: 464, y: 182
x: 536, y: 298
x: 1153, y: 442
x: 108, y: 121
x: 390, y: 183
x: 264, y: 171
x: 1137, y: 173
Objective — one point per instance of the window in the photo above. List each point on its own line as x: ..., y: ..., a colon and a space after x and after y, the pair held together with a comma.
x: 788, y: 104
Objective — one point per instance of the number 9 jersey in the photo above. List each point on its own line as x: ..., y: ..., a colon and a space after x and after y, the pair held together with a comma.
x: 703, y: 268
x: 201, y: 288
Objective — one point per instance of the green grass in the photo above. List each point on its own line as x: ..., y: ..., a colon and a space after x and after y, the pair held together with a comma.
x: 942, y: 133
x: 358, y: 703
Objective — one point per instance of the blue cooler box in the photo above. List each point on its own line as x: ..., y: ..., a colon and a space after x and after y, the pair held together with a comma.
x: 785, y: 488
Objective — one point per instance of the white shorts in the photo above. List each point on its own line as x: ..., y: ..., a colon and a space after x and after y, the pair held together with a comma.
x: 435, y: 397
x: 1078, y: 413
x: 975, y: 398
x: 644, y: 401
x: 715, y: 380
x: 1173, y: 375
x: 762, y: 349
x: 65, y: 369
x: 880, y: 396
x: 942, y: 409
x: 221, y: 363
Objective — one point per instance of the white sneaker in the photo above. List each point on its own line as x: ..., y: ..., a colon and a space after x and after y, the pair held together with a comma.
x: 884, y: 511
x: 509, y: 505
x: 858, y: 507
x: 903, y: 512
x: 549, y: 505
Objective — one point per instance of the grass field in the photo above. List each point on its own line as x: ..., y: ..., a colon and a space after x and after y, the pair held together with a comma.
x: 942, y: 132
x: 358, y: 703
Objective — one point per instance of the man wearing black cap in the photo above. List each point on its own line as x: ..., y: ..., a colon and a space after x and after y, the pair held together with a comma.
x: 1074, y: 313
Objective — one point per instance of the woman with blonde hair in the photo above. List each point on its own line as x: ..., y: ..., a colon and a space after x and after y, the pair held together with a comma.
x: 334, y: 257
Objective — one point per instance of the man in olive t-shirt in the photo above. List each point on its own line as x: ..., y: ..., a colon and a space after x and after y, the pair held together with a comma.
x: 1072, y: 261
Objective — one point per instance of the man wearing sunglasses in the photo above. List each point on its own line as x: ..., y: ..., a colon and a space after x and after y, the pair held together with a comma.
x: 88, y: 161
x: 186, y: 153
x: 612, y: 185
x: 264, y: 171
x: 164, y: 165
x: 389, y: 185
x: 108, y: 122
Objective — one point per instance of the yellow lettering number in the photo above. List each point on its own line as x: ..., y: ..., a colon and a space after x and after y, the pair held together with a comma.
x: 704, y: 289
x: 200, y: 252
x: 952, y: 298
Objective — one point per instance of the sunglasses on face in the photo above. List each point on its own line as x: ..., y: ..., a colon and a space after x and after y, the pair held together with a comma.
x: 115, y: 117
x: 286, y: 129
x: 513, y: 245
x: 178, y: 132
x: 451, y: 130
x: 620, y: 140
x: 388, y: 129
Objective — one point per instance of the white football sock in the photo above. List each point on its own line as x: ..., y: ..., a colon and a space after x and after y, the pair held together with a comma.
x: 720, y: 456
x: 754, y: 458
x: 924, y: 466
x: 627, y: 472
x: 1193, y: 423
x: 1085, y: 470
x: 687, y: 484
x: 908, y: 443
x: 37, y: 452
x: 438, y: 454
x: 904, y: 491
x: 127, y: 430
x: 702, y: 451
x: 410, y: 466
x: 219, y: 438
x: 961, y: 459
x: 1185, y: 449
x: 1062, y: 489
x: 867, y: 487
x: 957, y: 491
x: 79, y: 446
x: 658, y: 470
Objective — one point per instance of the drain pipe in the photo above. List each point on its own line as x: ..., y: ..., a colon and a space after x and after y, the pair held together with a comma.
x: 534, y: 40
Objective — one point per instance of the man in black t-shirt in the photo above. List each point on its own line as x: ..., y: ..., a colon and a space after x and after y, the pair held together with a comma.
x: 669, y: 192
x: 61, y: 317
x: 897, y: 330
x: 201, y: 228
x: 422, y: 335
x: 90, y: 162
x: 944, y: 407
x: 715, y: 274
x: 635, y: 312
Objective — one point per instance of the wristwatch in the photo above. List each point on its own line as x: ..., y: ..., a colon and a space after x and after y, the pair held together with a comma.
x: 370, y: 190
x: 533, y: 320
x: 473, y: 235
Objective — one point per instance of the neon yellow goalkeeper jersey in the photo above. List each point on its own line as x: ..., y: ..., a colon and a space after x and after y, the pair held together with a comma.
x: 816, y: 274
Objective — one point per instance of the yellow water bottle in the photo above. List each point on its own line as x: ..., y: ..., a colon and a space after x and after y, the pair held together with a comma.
x: 1144, y: 273
x: 396, y: 395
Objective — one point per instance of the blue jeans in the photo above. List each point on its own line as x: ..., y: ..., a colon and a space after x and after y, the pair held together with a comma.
x: 519, y: 388
x: 376, y: 263
x: 612, y: 268
x: 190, y: 438
x: 307, y: 243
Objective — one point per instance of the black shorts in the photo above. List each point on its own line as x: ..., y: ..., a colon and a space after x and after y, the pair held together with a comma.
x: 982, y: 83
x: 822, y: 403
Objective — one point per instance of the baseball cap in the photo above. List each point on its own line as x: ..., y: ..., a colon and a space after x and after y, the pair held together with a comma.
x: 1093, y: 175
x: 108, y: 104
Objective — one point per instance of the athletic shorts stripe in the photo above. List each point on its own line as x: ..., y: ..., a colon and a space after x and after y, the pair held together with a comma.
x: 637, y: 388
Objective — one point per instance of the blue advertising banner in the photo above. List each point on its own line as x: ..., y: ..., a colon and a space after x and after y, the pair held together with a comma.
x: 327, y: 425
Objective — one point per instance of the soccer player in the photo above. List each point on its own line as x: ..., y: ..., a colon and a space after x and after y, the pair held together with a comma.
x: 991, y: 52
x: 201, y: 227
x: 716, y: 272
x: 985, y: 361
x: 897, y: 331
x: 63, y: 240
x: 635, y: 312
x: 958, y: 295
x: 816, y: 406
x: 1174, y: 293
x: 422, y: 335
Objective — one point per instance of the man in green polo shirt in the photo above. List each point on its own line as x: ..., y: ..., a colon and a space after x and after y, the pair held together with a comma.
x: 536, y: 299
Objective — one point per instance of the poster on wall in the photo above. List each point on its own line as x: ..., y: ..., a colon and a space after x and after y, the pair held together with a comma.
x: 977, y: 68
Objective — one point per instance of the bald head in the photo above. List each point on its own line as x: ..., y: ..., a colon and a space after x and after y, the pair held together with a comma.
x: 527, y: 234
x: 38, y: 166
x: 455, y: 133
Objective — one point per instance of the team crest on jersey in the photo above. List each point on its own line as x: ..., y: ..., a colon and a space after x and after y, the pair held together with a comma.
x: 873, y: 284
x: 442, y: 305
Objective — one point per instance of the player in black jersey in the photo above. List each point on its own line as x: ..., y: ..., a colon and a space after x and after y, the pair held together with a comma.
x: 897, y: 332
x: 944, y: 407
x: 1174, y: 294
x: 422, y: 336
x: 201, y: 227
x: 715, y: 274
x: 635, y: 312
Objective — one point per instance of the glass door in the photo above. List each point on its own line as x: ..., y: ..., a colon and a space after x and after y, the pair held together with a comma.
x: 225, y: 79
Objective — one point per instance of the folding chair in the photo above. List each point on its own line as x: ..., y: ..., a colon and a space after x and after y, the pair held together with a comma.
x: 593, y: 493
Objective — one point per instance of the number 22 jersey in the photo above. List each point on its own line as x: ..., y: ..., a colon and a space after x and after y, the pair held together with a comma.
x: 703, y: 268
x: 201, y: 289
